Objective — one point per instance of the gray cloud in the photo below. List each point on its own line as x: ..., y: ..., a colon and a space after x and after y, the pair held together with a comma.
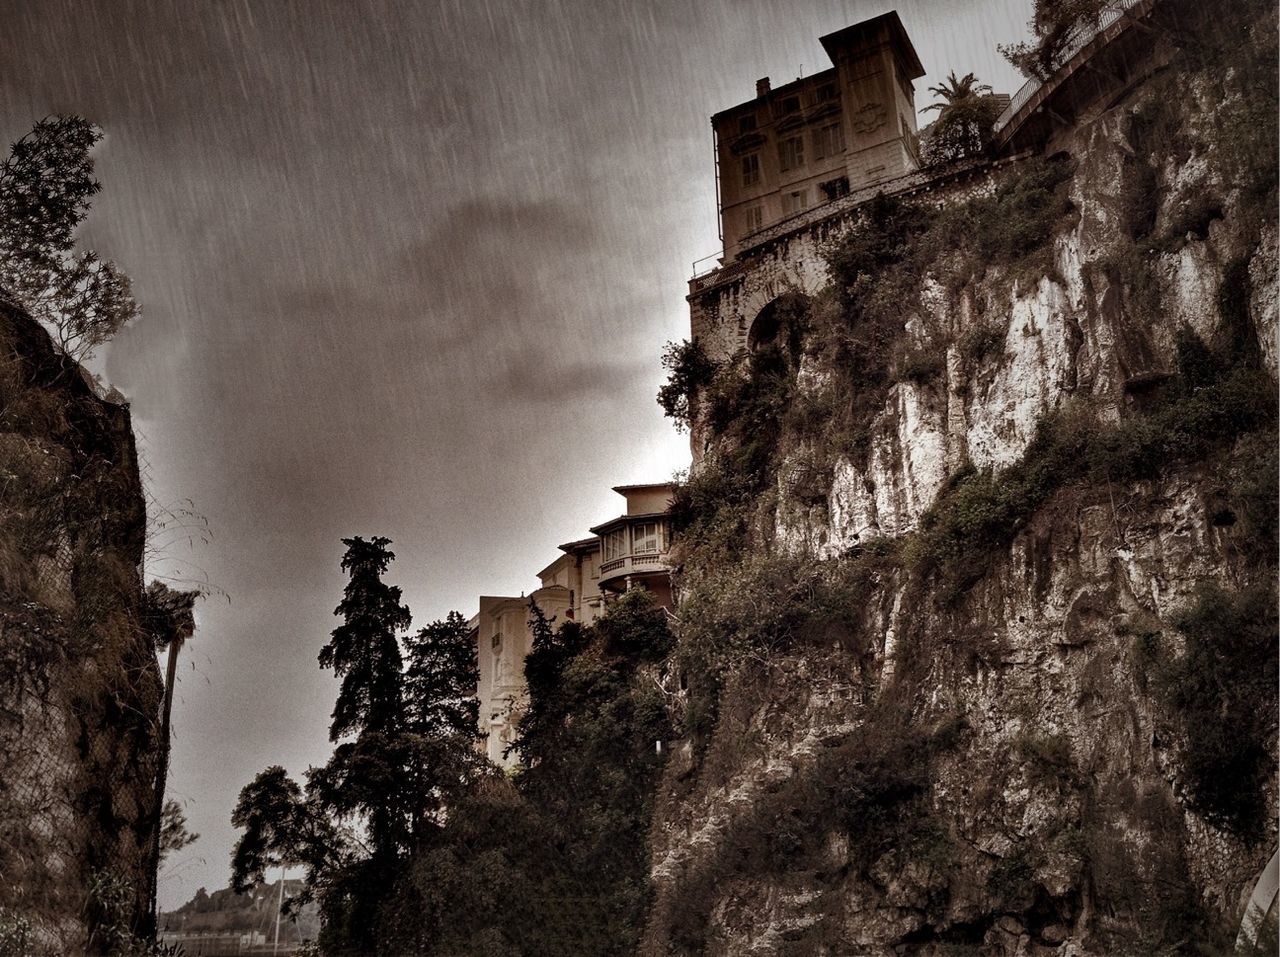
x: 407, y: 267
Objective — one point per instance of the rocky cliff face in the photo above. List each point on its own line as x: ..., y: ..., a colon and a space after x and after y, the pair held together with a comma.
x: 79, y: 687
x: 989, y: 667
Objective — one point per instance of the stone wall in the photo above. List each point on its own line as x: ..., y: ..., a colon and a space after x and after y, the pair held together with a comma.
x: 788, y: 257
x: 80, y: 690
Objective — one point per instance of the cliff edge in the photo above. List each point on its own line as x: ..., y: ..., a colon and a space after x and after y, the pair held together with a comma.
x: 978, y: 608
x: 80, y: 691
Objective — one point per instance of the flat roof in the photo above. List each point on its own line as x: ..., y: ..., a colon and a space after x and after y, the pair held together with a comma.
x: 647, y: 516
x: 787, y: 87
x: 833, y: 41
x: 578, y: 546
x: 624, y: 489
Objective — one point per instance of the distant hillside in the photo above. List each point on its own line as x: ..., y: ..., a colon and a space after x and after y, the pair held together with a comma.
x: 226, y: 912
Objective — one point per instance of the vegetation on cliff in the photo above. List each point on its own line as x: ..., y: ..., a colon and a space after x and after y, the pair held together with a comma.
x: 413, y: 843
x: 875, y: 817
x: 46, y: 183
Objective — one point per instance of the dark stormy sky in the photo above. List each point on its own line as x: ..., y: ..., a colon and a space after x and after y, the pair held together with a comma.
x: 407, y: 267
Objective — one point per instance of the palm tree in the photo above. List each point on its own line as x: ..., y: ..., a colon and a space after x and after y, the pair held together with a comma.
x: 955, y: 91
x: 966, y: 115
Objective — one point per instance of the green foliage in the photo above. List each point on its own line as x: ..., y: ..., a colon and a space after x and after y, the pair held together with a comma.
x: 876, y: 271
x: 1217, y: 398
x: 275, y: 820
x: 1222, y: 693
x: 1237, y: 56
x: 689, y: 370
x: 1252, y: 490
x: 174, y: 833
x: 554, y: 863
x: 749, y: 397
x: 873, y: 787
x: 1012, y: 227
x: 1057, y: 27
x: 405, y: 733
x: 16, y: 935
x: 769, y: 603
x: 966, y: 120
x: 112, y: 900
x: 922, y: 364
x: 1047, y: 759
x: 45, y: 186
x: 440, y: 679
x: 753, y: 606
x: 364, y: 651
x: 982, y: 342
x: 1011, y: 879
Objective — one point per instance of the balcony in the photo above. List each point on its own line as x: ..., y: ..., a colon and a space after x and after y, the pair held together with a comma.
x: 614, y: 573
x: 632, y: 547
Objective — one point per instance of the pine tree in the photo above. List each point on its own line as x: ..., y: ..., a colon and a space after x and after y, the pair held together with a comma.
x: 270, y: 810
x: 364, y: 651
x: 404, y: 727
x: 364, y: 777
x: 440, y: 680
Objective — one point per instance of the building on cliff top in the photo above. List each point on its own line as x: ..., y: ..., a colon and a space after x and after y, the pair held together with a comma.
x: 629, y: 551
x: 814, y: 140
x: 795, y: 165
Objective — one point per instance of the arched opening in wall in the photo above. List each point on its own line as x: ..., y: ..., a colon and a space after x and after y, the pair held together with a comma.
x: 776, y: 335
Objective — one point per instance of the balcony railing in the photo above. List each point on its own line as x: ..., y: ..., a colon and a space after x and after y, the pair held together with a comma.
x: 1114, y: 11
x: 636, y: 564
x: 707, y: 264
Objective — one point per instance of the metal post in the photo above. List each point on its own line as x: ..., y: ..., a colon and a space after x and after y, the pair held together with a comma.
x: 275, y: 948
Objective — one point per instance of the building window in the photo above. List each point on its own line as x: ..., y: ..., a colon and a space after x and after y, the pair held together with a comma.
x: 791, y: 153
x: 835, y: 188
x: 795, y: 202
x: 826, y: 92
x: 828, y: 140
x: 754, y: 217
x: 615, y: 544
x: 645, y: 539
x: 790, y: 104
x: 751, y: 169
x: 746, y: 123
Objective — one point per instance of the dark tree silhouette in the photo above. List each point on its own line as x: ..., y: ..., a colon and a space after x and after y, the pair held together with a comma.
x: 174, y: 833
x: 1056, y: 26
x: 966, y: 117
x: 404, y: 724
x: 440, y: 680
x: 272, y: 813
x: 364, y: 651
x: 46, y: 184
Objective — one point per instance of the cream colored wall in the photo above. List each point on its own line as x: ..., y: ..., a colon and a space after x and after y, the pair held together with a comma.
x: 876, y: 110
x: 501, y: 644
x: 503, y: 641
x: 769, y: 192
x: 879, y: 120
x: 590, y: 603
x: 579, y: 572
x: 648, y: 501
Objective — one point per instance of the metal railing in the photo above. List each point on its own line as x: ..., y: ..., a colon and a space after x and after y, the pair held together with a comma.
x: 700, y: 267
x: 1113, y: 12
